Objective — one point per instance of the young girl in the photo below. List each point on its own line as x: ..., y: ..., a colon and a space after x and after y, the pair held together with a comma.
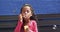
x: 27, y: 20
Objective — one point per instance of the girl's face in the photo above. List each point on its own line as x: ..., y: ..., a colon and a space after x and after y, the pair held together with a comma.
x: 26, y: 12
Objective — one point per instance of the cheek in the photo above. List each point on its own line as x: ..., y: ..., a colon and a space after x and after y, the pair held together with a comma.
x: 29, y: 14
x: 22, y: 14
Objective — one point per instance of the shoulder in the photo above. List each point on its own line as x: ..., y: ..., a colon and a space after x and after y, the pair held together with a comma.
x: 33, y: 21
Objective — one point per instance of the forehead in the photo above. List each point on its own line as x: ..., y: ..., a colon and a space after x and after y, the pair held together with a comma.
x: 26, y: 8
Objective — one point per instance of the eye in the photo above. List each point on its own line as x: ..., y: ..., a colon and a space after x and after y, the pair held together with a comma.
x: 27, y: 11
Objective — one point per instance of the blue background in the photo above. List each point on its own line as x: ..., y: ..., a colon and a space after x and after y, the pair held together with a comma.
x: 12, y: 7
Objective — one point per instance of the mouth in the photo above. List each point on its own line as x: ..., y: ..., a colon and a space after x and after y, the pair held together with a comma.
x: 24, y: 16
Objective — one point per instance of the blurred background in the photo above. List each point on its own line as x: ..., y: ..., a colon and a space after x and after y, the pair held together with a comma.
x: 47, y: 12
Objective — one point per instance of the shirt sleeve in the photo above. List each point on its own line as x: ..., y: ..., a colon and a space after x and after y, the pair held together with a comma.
x: 18, y: 27
x: 35, y: 29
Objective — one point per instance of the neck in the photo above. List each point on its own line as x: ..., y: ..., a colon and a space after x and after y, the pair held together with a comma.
x: 26, y: 21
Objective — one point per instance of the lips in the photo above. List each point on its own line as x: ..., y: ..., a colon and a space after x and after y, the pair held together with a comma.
x: 25, y: 16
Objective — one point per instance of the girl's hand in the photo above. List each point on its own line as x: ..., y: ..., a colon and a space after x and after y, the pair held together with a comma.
x: 26, y: 29
x: 20, y: 17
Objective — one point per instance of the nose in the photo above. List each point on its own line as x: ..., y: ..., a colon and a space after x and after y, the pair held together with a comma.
x: 25, y: 12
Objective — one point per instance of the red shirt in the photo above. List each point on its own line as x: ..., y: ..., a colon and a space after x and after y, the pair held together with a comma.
x: 32, y: 25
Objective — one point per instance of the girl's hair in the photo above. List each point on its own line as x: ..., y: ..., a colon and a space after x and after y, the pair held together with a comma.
x: 33, y: 17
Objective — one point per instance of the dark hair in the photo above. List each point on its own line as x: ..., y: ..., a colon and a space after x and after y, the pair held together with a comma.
x: 33, y: 17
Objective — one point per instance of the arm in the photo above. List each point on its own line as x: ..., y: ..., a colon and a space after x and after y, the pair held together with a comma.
x: 35, y: 29
x: 18, y: 27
